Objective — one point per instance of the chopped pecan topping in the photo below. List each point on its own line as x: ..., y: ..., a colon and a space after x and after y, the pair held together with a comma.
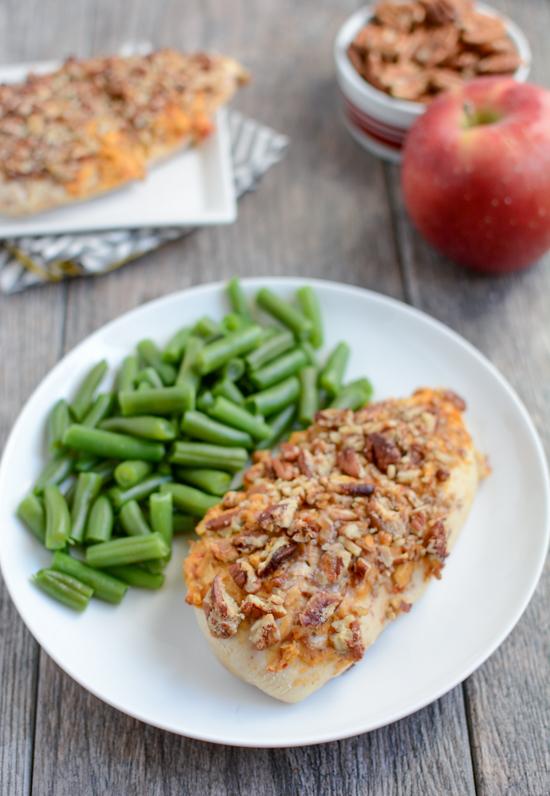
x: 246, y: 542
x: 319, y: 608
x: 244, y: 575
x: 458, y: 402
x: 278, y: 515
x: 222, y: 520
x: 254, y: 606
x: 347, y: 638
x: 349, y: 463
x: 382, y: 451
x: 354, y: 489
x: 436, y: 538
x: 223, y: 550
x: 283, y: 469
x: 222, y: 612
x: 264, y: 632
x: 305, y: 463
x: 278, y: 552
x: 441, y: 474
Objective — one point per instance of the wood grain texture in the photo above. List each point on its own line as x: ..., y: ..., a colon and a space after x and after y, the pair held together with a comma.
x: 508, y: 698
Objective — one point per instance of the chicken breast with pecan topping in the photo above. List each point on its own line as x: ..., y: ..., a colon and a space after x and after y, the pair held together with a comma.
x: 334, y: 535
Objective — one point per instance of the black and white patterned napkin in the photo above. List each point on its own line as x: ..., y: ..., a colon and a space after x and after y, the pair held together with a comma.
x: 27, y: 261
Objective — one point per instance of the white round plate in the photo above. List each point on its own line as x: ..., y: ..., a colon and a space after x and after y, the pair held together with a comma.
x: 147, y: 657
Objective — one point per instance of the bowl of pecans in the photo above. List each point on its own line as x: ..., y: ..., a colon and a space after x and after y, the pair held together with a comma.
x: 396, y: 57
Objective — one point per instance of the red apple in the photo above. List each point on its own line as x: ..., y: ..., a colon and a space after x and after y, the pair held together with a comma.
x: 476, y: 174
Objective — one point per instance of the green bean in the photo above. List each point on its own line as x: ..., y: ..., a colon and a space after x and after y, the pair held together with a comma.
x: 309, y: 304
x: 215, y: 482
x: 237, y: 298
x: 149, y: 352
x: 85, y: 463
x: 64, y: 588
x: 155, y: 567
x: 145, y: 426
x: 59, y: 421
x: 234, y: 415
x: 130, y: 473
x: 143, y: 386
x: 216, y: 354
x: 278, y: 369
x: 275, y: 398
x: 233, y: 369
x: 108, y: 444
x: 58, y: 519
x: 200, y: 454
x: 206, y: 327
x: 228, y: 389
x: 174, y: 348
x: 160, y: 514
x: 280, y: 425
x: 205, y: 401
x: 354, y: 395
x: 100, y: 521
x: 309, y: 351
x: 132, y: 519
x: 183, y: 523
x: 187, y: 378
x: 232, y: 321
x: 31, y: 512
x: 105, y: 587
x: 139, y: 491
x: 85, y: 393
x: 285, y: 313
x: 106, y: 470
x: 54, y: 472
x: 137, y: 577
x: 127, y: 374
x: 161, y: 401
x: 199, y: 426
x: 332, y: 374
x: 309, y: 397
x: 130, y: 550
x: 87, y: 489
x: 190, y: 500
x: 99, y: 410
x: 149, y: 378
x: 273, y: 347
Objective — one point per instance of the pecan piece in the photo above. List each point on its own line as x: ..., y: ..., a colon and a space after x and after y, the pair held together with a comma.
x: 381, y: 451
x: 278, y: 552
x: 222, y: 612
x: 348, y: 462
x: 279, y: 515
x: 454, y: 399
x: 436, y: 540
x: 250, y: 541
x: 254, y: 606
x: 359, y: 489
x: 264, y: 632
x: 283, y: 470
x: 319, y: 608
x: 244, y: 575
x: 221, y: 521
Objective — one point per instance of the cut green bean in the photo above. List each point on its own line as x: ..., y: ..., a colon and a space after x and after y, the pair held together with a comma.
x: 64, y: 588
x: 270, y: 401
x: 232, y: 321
x: 148, y: 378
x: 190, y: 500
x: 160, y: 515
x: 137, y: 576
x: 285, y: 313
x: 130, y: 473
x: 183, y: 523
x: 234, y: 415
x: 309, y: 351
x: 145, y: 426
x: 281, y: 424
x: 99, y: 526
x: 155, y: 567
x: 54, y: 472
x: 109, y: 444
x: 206, y: 327
x: 278, y: 369
x: 309, y: 304
x: 106, y: 470
x: 205, y: 401
x: 216, y: 354
x: 139, y: 491
x: 31, y: 512
x: 105, y: 587
x: 187, y: 378
x: 233, y: 369
x: 160, y: 401
x: 149, y: 352
x: 273, y: 347
x: 309, y: 397
x: 99, y: 410
x: 133, y: 520
x: 174, y: 348
x: 130, y: 550
x: 332, y: 374
x: 87, y: 489
x: 58, y: 518
x: 228, y: 389
x: 85, y: 394
x: 237, y: 298
x: 200, y: 426
x: 85, y: 463
x: 127, y: 374
x: 354, y: 395
x: 59, y: 421
x: 215, y: 482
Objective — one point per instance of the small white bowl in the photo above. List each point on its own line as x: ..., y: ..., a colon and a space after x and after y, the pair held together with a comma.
x: 376, y: 120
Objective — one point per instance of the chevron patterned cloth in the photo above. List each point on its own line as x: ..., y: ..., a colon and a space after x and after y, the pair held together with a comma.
x: 29, y: 261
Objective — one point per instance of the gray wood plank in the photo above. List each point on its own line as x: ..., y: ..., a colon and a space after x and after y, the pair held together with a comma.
x: 507, y: 699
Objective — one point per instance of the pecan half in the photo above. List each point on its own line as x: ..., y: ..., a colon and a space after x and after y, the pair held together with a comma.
x: 319, y: 608
x: 349, y: 463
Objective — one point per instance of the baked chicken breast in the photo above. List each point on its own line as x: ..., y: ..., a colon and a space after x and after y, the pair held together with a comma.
x: 333, y: 536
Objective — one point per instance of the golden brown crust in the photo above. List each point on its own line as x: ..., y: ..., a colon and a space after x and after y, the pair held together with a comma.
x: 96, y: 124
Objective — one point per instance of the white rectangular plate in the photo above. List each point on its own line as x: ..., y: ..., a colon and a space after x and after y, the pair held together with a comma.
x: 192, y: 188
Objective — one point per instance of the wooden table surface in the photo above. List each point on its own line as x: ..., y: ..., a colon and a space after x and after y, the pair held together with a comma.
x: 328, y: 210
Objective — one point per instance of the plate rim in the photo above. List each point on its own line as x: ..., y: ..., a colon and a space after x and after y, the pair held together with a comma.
x: 380, y: 298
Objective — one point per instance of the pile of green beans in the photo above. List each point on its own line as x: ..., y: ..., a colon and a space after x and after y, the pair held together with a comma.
x: 134, y: 465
